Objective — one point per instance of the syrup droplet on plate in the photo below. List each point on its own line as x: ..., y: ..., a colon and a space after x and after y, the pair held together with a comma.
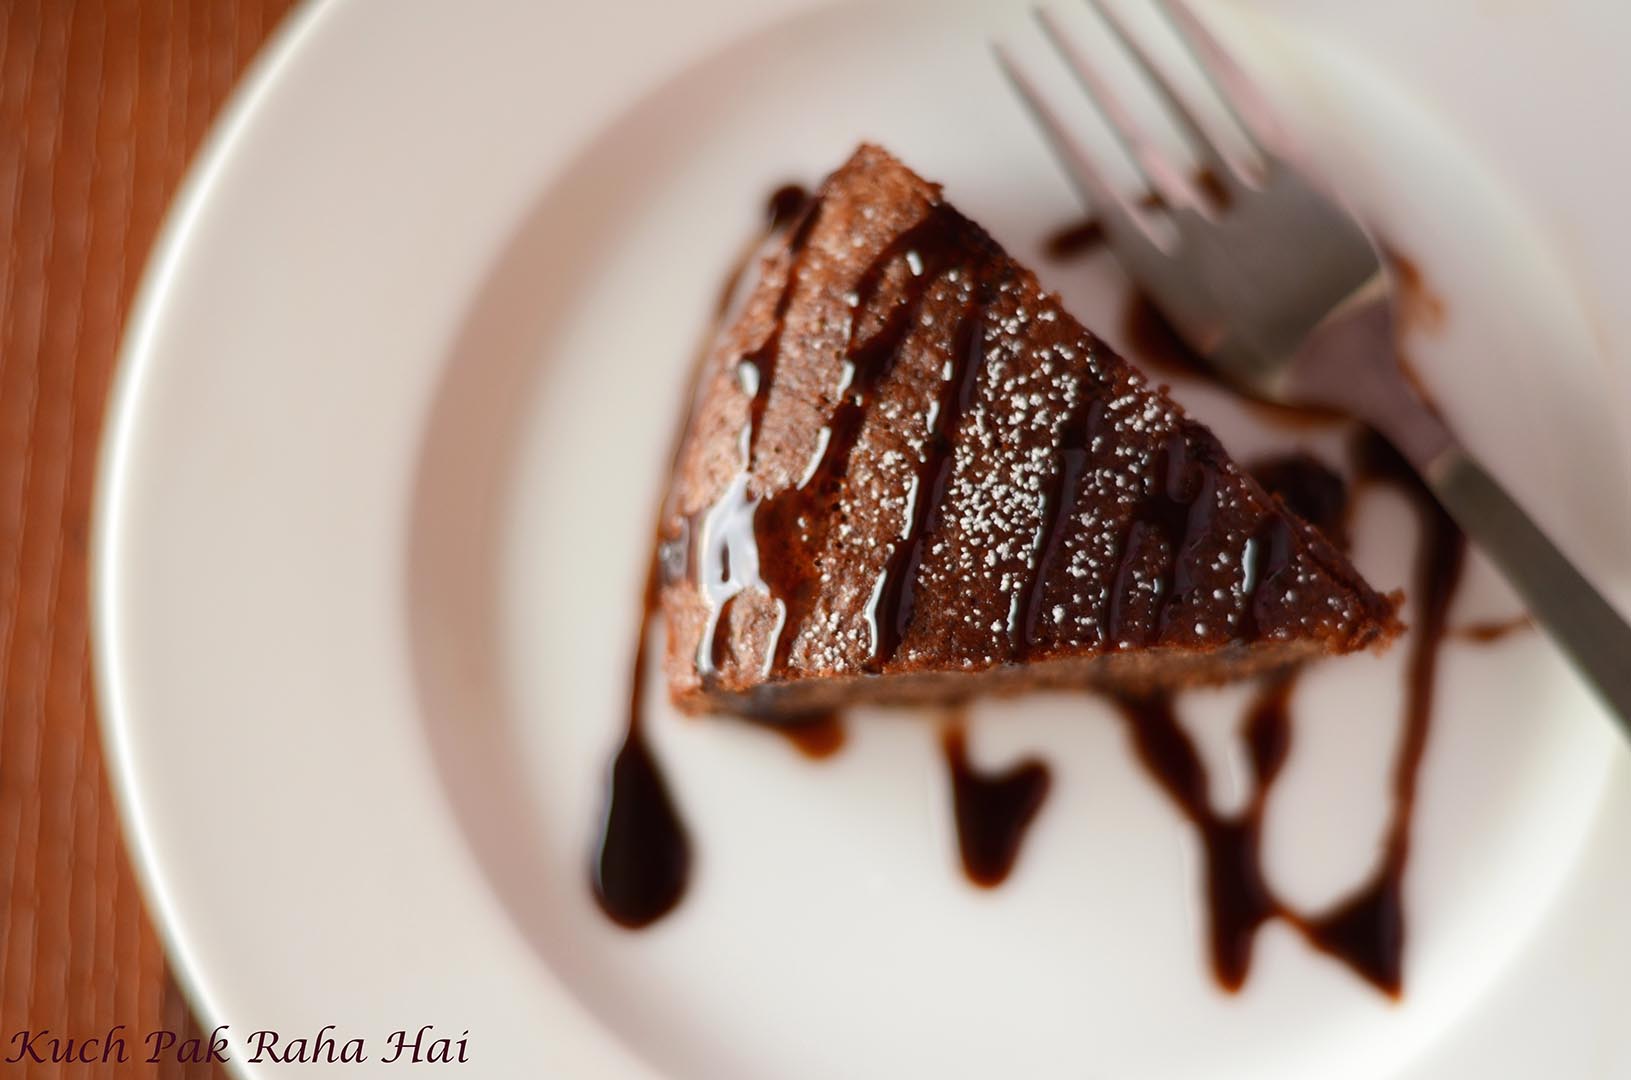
x: 993, y: 810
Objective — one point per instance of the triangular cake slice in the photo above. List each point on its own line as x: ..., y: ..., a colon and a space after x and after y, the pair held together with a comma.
x: 910, y: 475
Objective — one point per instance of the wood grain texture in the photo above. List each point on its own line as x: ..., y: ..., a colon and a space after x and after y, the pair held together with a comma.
x: 101, y: 106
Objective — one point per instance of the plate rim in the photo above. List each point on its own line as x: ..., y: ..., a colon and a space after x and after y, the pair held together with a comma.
x: 121, y: 413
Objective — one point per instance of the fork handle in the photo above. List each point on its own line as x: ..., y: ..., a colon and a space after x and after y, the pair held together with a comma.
x: 1575, y: 614
x: 1349, y: 365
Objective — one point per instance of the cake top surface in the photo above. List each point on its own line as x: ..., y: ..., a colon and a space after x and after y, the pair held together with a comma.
x: 904, y: 455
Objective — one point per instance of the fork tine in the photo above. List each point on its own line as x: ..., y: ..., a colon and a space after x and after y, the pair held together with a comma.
x: 1199, y: 138
x: 1239, y: 94
x: 1117, y: 214
x: 1159, y: 174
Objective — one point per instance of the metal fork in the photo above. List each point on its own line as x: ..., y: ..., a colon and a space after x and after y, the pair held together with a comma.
x: 1289, y: 298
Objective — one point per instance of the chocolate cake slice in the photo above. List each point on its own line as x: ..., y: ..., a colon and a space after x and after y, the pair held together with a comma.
x: 910, y: 475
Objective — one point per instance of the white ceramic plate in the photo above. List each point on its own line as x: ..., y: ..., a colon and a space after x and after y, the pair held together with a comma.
x: 390, y: 423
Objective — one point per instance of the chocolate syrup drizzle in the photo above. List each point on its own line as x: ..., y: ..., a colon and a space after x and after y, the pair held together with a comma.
x: 642, y: 861
x: 1366, y: 931
x: 993, y: 810
x: 1489, y: 631
x: 818, y: 736
x: 1179, y: 511
x: 1078, y: 438
x: 897, y: 598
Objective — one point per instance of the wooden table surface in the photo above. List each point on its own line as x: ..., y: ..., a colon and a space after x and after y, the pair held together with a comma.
x: 102, y: 104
